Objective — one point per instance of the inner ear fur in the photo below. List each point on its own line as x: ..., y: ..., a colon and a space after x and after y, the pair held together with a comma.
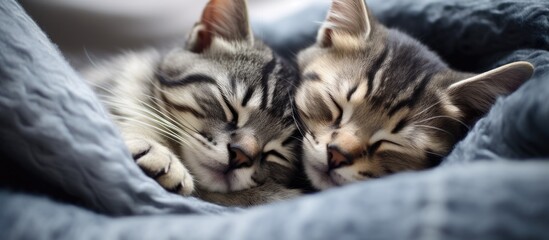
x: 476, y: 94
x: 346, y: 17
x: 226, y: 19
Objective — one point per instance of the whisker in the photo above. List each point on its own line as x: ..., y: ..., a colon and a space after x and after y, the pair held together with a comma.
x: 145, y: 110
x: 434, y: 128
x: 162, y: 116
x: 434, y: 153
x: 167, y: 117
x: 87, y: 54
x: 427, y: 109
x: 189, y: 124
x: 169, y: 127
x: 298, y: 139
x: 145, y: 113
x: 297, y: 123
x: 173, y: 117
x: 162, y: 131
x: 443, y: 116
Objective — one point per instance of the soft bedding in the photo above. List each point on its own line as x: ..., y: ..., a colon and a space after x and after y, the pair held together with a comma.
x: 65, y: 173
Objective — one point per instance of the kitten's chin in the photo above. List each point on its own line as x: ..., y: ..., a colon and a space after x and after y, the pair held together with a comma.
x: 321, y: 178
x: 214, y: 180
x: 325, y: 181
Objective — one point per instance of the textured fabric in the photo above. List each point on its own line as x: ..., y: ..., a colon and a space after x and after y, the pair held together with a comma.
x: 53, y: 129
x: 54, y: 132
x: 480, y: 201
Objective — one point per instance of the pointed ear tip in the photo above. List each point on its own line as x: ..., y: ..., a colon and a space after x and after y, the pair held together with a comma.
x: 525, y: 67
x: 523, y: 64
x: 526, y: 64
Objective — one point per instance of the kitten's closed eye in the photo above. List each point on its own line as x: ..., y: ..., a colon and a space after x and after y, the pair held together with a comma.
x: 218, y: 109
x: 374, y: 101
x: 338, y: 114
x: 240, y: 90
x: 186, y: 80
x: 373, y: 148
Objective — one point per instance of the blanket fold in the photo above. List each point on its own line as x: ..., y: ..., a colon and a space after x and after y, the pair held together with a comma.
x: 55, y: 130
x: 57, y: 142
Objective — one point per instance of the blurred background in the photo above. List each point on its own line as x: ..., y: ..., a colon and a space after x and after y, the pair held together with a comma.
x: 92, y: 30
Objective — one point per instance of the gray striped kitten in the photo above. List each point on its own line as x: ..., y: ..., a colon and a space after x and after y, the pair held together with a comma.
x: 213, y: 119
x: 374, y: 101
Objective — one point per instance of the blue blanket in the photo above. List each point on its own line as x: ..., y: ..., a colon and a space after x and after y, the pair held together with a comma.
x: 65, y: 173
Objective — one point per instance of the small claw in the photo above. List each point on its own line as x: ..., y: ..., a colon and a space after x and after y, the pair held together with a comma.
x: 177, y: 188
x: 139, y: 155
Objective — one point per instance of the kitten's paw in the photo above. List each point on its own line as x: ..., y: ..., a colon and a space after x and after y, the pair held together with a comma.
x: 161, y: 164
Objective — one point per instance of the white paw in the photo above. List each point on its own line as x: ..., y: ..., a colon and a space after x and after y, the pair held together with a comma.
x: 159, y: 163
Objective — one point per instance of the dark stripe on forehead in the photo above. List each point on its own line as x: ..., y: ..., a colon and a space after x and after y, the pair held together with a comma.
x: 375, y: 68
x: 350, y: 93
x: 265, y: 74
x: 400, y: 125
x: 187, y: 80
x: 231, y: 108
x: 339, y: 109
x: 247, y: 96
x: 233, y: 84
x: 412, y: 100
x: 181, y: 107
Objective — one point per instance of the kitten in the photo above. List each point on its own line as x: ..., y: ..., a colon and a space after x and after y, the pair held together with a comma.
x: 213, y: 119
x: 374, y: 101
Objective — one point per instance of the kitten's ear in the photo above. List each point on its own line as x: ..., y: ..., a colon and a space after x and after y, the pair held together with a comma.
x: 475, y: 95
x: 349, y: 17
x: 227, y: 19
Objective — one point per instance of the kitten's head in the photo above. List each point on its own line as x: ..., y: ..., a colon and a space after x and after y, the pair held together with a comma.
x: 373, y: 101
x: 230, y: 96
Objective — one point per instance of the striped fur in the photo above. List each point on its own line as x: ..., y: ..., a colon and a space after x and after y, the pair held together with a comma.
x: 373, y: 101
x: 213, y: 119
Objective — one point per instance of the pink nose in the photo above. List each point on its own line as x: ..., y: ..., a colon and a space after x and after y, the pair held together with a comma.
x: 337, y: 158
x: 239, y: 158
x: 243, y: 151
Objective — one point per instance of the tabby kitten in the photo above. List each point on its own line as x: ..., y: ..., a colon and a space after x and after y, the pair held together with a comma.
x: 213, y: 119
x: 374, y: 101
